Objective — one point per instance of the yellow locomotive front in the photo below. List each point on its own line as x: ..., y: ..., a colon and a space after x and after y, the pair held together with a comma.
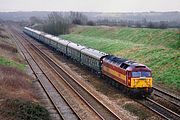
x: 140, y: 79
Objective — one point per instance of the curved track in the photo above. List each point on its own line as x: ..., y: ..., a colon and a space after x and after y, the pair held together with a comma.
x: 101, y: 110
x: 97, y: 106
x: 56, y: 99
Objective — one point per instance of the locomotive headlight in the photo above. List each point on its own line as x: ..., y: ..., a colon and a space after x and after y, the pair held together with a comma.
x: 135, y: 80
x: 148, y: 81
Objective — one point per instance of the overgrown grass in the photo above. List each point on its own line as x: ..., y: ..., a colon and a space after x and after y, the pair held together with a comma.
x: 156, y: 48
x: 24, y: 110
x: 164, y: 37
x: 18, y: 98
x: 8, y: 47
x: 10, y: 63
x: 13, y: 78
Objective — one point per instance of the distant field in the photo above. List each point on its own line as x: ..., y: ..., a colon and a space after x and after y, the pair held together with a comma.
x: 159, y: 49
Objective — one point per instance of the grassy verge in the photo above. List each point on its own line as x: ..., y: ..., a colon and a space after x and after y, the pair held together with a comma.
x: 156, y: 48
x: 18, y: 100
x: 10, y: 63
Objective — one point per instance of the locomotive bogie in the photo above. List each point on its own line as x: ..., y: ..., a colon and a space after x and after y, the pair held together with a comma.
x: 141, y: 91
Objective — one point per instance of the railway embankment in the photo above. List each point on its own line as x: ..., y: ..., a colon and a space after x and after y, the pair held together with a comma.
x: 17, y: 96
x: 156, y: 48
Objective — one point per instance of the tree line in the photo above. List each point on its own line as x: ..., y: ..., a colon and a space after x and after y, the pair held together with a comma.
x: 58, y: 23
x: 137, y: 24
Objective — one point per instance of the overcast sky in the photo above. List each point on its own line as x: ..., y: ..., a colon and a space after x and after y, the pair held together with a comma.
x: 90, y: 5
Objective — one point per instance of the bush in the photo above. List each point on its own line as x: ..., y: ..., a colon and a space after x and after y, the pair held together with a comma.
x: 8, y: 47
x: 91, y: 23
x: 24, y: 110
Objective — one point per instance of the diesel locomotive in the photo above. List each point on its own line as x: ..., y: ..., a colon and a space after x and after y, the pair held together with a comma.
x: 134, y: 77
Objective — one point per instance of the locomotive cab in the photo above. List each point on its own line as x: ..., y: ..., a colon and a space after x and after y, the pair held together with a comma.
x: 139, y: 78
x: 135, y: 77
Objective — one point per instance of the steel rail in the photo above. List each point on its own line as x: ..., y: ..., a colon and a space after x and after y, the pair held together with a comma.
x: 59, y: 67
x: 45, y: 88
x: 173, y: 99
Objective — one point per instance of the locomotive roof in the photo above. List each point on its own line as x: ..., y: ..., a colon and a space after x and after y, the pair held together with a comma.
x: 114, y: 59
x: 124, y: 63
x: 76, y: 46
x: 93, y: 53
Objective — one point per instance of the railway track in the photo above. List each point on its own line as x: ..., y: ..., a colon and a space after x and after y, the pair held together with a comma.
x: 167, y: 96
x: 54, y: 97
x: 159, y: 109
x: 148, y: 102
x: 97, y: 106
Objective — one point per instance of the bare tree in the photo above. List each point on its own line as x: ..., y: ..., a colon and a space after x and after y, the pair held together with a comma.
x: 78, y: 18
x: 56, y: 24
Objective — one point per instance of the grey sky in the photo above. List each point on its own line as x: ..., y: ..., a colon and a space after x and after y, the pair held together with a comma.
x: 90, y: 5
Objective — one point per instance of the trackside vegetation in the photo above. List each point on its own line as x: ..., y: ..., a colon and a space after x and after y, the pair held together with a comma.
x: 25, y: 110
x: 159, y: 49
x: 10, y: 63
x: 18, y: 100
